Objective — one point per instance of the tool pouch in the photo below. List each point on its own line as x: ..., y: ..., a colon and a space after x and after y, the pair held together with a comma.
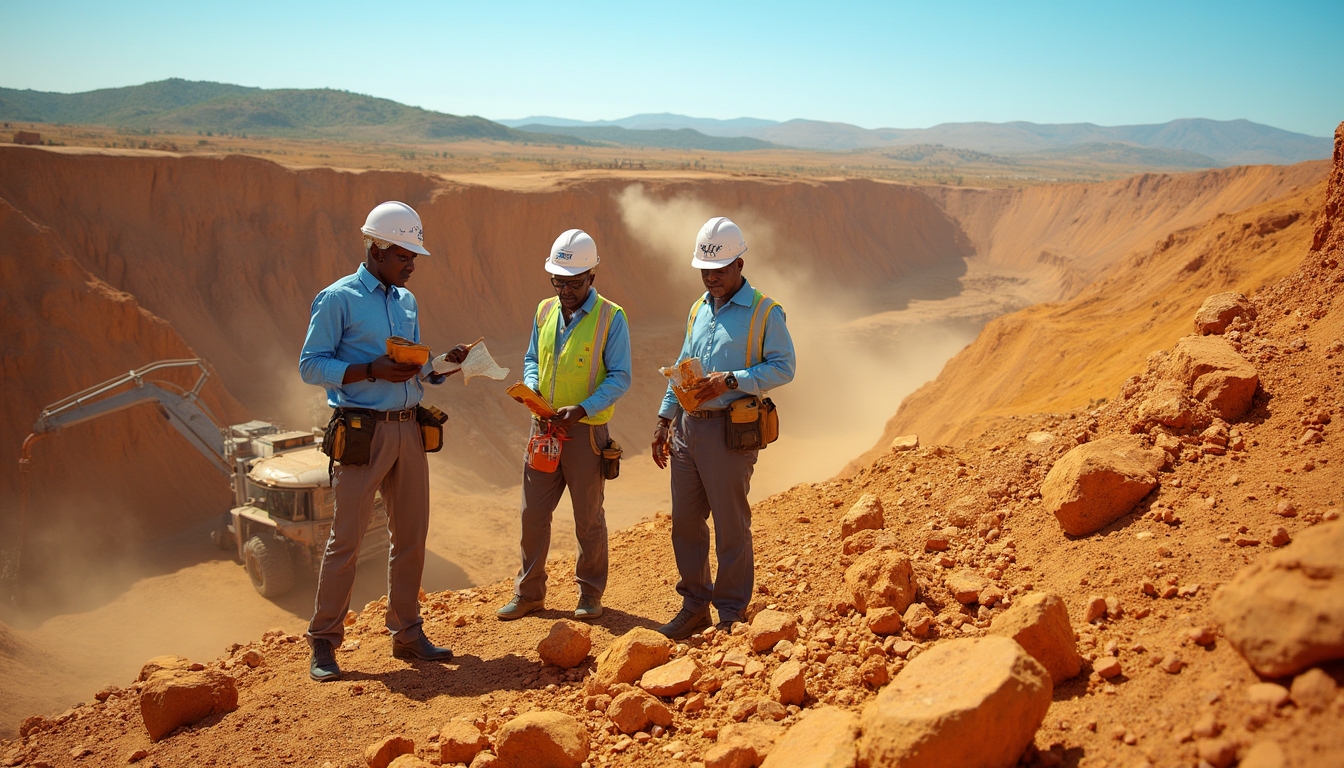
x: 431, y: 421
x: 348, y: 438
x: 611, y: 460
x: 751, y: 424
x: 543, y: 450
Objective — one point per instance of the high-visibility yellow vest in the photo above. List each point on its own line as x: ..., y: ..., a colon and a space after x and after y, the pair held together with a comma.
x: 580, y: 369
x: 760, y: 310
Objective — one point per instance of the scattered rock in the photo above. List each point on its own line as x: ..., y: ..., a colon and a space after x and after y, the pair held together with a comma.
x: 1279, y: 537
x: 137, y: 755
x: 1267, y: 694
x: 866, y: 514
x: 635, y: 710
x: 973, y: 701
x: 409, y: 761
x: 567, y: 645
x: 863, y: 541
x: 542, y: 738
x: 965, y: 587
x: 730, y: 756
x: 874, y: 673
x: 905, y: 443
x: 1039, y: 622
x: 252, y: 658
x: 1264, y: 754
x: 758, y: 738
x: 459, y: 742
x: 1171, y: 664
x: 1106, y: 666
x: 172, y: 698
x: 380, y: 754
x: 629, y: 657
x: 1096, y: 483
x: 881, y: 579
x: 884, y: 621
x: 937, y: 542
x: 1219, y: 753
x: 824, y: 738
x: 918, y: 618
x: 788, y: 684
x: 1285, y: 612
x: 160, y: 663
x: 673, y: 678
x: 1215, y: 374
x: 769, y: 627
x: 1096, y: 608
x: 1313, y: 690
x: 1219, y: 310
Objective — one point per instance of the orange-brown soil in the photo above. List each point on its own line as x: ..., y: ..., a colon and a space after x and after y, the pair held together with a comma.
x: 1140, y: 717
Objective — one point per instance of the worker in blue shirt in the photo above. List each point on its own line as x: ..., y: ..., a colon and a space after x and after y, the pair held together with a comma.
x: 744, y: 348
x: 578, y: 360
x: 345, y: 352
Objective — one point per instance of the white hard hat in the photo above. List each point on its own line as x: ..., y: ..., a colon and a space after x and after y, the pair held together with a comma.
x: 573, y: 253
x: 719, y: 244
x: 396, y: 223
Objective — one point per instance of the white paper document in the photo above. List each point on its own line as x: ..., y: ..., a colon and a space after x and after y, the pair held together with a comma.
x: 478, y: 363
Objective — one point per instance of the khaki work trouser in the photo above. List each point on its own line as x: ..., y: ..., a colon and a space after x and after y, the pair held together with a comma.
x: 397, y: 466
x: 581, y: 471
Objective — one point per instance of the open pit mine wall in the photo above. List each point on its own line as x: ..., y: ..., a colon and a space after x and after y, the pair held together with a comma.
x: 123, y: 260
x: 1070, y: 234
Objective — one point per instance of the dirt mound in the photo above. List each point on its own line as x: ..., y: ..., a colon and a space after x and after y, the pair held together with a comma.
x: 1056, y: 357
x: 1160, y: 686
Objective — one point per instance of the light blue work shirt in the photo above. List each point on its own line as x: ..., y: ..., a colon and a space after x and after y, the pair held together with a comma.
x: 719, y: 339
x: 615, y: 356
x: 351, y: 320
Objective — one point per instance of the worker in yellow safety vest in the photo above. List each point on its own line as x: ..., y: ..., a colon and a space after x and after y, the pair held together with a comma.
x: 578, y: 360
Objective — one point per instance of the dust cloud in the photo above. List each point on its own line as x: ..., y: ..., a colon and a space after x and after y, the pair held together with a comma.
x: 852, y: 371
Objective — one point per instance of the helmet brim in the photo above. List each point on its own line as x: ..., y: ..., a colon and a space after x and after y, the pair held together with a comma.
x: 556, y: 269
x: 699, y: 263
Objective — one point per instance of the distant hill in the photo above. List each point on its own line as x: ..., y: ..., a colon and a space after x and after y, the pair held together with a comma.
x: 709, y: 126
x: 681, y: 138
x: 1230, y: 142
x: 1123, y: 154
x: 1225, y: 142
x: 183, y: 105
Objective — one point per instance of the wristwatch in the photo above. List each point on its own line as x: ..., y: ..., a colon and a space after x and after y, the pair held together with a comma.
x: 730, y: 380
x: 368, y: 372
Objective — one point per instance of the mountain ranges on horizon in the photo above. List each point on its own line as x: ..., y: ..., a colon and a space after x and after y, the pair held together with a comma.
x: 190, y: 106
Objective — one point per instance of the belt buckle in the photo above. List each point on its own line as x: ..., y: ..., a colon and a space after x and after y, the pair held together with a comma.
x: 404, y: 415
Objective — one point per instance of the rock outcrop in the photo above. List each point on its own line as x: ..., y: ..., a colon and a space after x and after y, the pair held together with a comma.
x: 880, y: 579
x: 1219, y: 310
x: 1214, y: 374
x: 1099, y: 482
x: 971, y: 702
x: 174, y: 697
x: 1285, y: 611
x: 1039, y: 622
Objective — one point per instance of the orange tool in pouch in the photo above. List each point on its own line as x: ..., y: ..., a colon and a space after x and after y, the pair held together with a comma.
x: 543, y: 450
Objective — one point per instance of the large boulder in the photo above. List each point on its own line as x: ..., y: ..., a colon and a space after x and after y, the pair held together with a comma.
x: 769, y: 627
x: 880, y: 579
x: 1219, y: 310
x: 673, y: 678
x: 174, y: 697
x: 974, y: 702
x: 630, y: 656
x: 567, y: 645
x: 1285, y: 611
x: 824, y: 738
x: 1039, y: 622
x: 1099, y: 482
x: 541, y: 739
x: 1215, y: 374
x: 866, y: 514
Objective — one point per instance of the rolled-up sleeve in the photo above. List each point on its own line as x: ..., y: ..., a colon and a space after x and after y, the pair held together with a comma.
x: 616, y: 358
x: 317, y: 362
x: 777, y: 366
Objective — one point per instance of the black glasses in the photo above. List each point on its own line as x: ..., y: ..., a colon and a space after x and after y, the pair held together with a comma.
x: 572, y: 285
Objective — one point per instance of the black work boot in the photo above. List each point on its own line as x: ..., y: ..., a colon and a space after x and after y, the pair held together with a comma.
x: 323, y: 668
x: 686, y: 623
x: 420, y: 648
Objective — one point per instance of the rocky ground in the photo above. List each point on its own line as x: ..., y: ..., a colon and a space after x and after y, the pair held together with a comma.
x: 1201, y: 582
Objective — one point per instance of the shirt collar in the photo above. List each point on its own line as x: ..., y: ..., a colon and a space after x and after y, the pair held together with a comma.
x: 744, y: 295
x: 371, y: 283
x: 589, y: 302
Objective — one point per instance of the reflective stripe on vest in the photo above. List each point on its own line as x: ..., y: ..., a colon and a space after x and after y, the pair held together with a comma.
x: 760, y: 310
x: 579, y: 369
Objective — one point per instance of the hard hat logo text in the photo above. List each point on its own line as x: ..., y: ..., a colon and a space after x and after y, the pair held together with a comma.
x: 563, y: 256
x: 711, y: 250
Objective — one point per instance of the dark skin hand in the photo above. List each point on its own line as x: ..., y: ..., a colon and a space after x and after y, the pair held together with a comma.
x: 662, y: 442
x: 393, y: 267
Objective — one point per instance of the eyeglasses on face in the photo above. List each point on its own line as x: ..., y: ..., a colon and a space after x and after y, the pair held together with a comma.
x: 572, y: 285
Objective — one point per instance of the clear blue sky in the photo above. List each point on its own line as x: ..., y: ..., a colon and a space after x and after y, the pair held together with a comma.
x: 894, y: 64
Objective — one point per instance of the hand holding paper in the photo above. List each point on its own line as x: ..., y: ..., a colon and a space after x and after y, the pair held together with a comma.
x: 477, y: 363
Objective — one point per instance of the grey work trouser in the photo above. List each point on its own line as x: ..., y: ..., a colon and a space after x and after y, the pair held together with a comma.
x: 581, y: 471
x: 707, y: 478
x: 397, y: 466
